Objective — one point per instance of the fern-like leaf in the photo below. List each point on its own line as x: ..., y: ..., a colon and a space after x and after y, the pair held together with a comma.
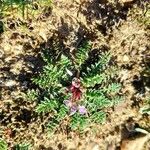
x: 97, y: 100
x: 98, y: 117
x: 79, y: 122
x: 47, y: 106
x: 22, y: 146
x: 3, y: 145
x: 62, y: 113
x: 82, y: 54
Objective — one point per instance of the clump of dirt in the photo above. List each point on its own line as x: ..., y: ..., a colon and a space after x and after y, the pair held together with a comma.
x: 111, y: 24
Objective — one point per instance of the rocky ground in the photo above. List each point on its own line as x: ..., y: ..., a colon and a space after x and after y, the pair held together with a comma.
x: 121, y: 27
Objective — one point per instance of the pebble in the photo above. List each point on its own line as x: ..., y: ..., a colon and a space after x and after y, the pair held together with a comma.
x: 93, y: 146
x: 96, y: 147
x: 125, y: 58
x: 1, y: 53
x: 10, y: 83
x: 126, y: 1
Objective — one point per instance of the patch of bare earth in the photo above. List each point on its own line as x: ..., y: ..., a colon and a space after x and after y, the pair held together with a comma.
x: 108, y: 25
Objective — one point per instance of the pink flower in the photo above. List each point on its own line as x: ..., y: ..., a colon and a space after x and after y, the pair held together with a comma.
x: 82, y: 110
x: 73, y: 108
x: 76, y: 82
x: 75, y: 89
x: 68, y: 103
x: 76, y: 94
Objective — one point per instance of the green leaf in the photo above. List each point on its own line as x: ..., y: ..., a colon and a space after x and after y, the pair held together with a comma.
x: 82, y: 53
x: 79, y: 122
x: 113, y: 88
x: 145, y: 110
x: 23, y: 146
x: 98, y: 117
x: 52, y: 125
x: 3, y: 145
x: 62, y: 113
x: 97, y: 100
x: 47, y: 106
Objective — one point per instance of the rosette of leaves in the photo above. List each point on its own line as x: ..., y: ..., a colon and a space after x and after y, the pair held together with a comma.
x: 101, y: 89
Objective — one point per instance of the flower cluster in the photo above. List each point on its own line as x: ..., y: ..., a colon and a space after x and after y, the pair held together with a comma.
x: 76, y: 94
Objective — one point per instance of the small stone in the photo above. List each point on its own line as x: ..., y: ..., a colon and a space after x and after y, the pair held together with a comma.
x: 93, y: 146
x: 7, y: 48
x: 43, y: 35
x: 18, y: 49
x: 142, y: 48
x: 8, y: 59
x: 133, y: 53
x: 124, y: 75
x: 1, y: 53
x: 126, y: 1
x: 96, y: 147
x: 10, y: 83
x: 71, y: 145
x: 125, y: 58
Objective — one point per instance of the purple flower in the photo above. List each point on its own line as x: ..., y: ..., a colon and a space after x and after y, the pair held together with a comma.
x: 73, y: 110
x: 68, y: 103
x: 82, y: 110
